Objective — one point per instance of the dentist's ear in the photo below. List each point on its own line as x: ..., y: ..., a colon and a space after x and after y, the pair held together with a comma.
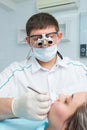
x: 59, y: 36
x: 28, y: 40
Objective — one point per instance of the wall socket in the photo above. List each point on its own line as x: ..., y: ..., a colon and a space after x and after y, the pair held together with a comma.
x: 83, y: 50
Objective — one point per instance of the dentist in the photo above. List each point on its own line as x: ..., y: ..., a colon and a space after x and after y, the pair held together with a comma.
x: 44, y: 70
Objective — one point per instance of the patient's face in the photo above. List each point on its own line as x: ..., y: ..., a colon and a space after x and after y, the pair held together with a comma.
x: 65, y: 106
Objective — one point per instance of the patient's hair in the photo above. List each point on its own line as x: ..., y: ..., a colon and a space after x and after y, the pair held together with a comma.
x: 78, y: 121
x: 41, y: 21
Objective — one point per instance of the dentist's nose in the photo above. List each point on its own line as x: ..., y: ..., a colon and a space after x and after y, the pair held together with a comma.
x: 45, y: 43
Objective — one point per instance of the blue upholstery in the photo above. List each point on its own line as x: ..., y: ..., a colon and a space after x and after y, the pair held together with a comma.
x: 20, y: 124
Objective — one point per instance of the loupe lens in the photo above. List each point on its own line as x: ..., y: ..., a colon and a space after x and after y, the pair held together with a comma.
x: 40, y: 44
x: 50, y: 41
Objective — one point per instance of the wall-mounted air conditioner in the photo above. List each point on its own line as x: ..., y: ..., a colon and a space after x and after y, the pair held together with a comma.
x: 53, y: 5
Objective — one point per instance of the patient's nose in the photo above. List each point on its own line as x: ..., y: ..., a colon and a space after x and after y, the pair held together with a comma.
x: 62, y: 97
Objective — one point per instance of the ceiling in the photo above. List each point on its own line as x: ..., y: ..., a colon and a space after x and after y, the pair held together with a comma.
x: 10, y: 4
x: 17, y: 1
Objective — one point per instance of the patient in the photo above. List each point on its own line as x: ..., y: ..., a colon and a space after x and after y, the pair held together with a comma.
x: 68, y: 113
x: 79, y: 119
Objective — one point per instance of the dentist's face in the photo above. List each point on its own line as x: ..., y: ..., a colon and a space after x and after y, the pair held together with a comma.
x: 36, y: 34
x: 65, y: 106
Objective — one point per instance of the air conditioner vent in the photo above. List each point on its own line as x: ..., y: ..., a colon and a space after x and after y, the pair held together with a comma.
x: 44, y: 5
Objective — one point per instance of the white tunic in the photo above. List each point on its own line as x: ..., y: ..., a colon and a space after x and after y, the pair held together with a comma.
x: 66, y: 77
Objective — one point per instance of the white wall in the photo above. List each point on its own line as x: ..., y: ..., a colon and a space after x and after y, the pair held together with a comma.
x: 10, y: 21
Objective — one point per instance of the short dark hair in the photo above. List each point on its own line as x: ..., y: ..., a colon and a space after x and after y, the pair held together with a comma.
x: 40, y: 21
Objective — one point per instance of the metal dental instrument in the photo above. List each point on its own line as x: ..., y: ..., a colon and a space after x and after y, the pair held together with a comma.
x: 44, y: 41
x: 34, y: 90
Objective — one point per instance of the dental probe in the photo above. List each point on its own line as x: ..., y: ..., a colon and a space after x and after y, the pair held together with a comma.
x: 34, y: 90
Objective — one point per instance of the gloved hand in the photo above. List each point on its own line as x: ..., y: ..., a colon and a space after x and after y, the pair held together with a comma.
x: 31, y: 106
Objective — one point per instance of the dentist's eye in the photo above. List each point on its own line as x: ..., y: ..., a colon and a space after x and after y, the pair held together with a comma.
x: 52, y: 34
x: 35, y: 37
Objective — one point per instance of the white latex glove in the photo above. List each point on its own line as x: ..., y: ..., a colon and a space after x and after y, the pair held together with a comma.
x: 31, y: 106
